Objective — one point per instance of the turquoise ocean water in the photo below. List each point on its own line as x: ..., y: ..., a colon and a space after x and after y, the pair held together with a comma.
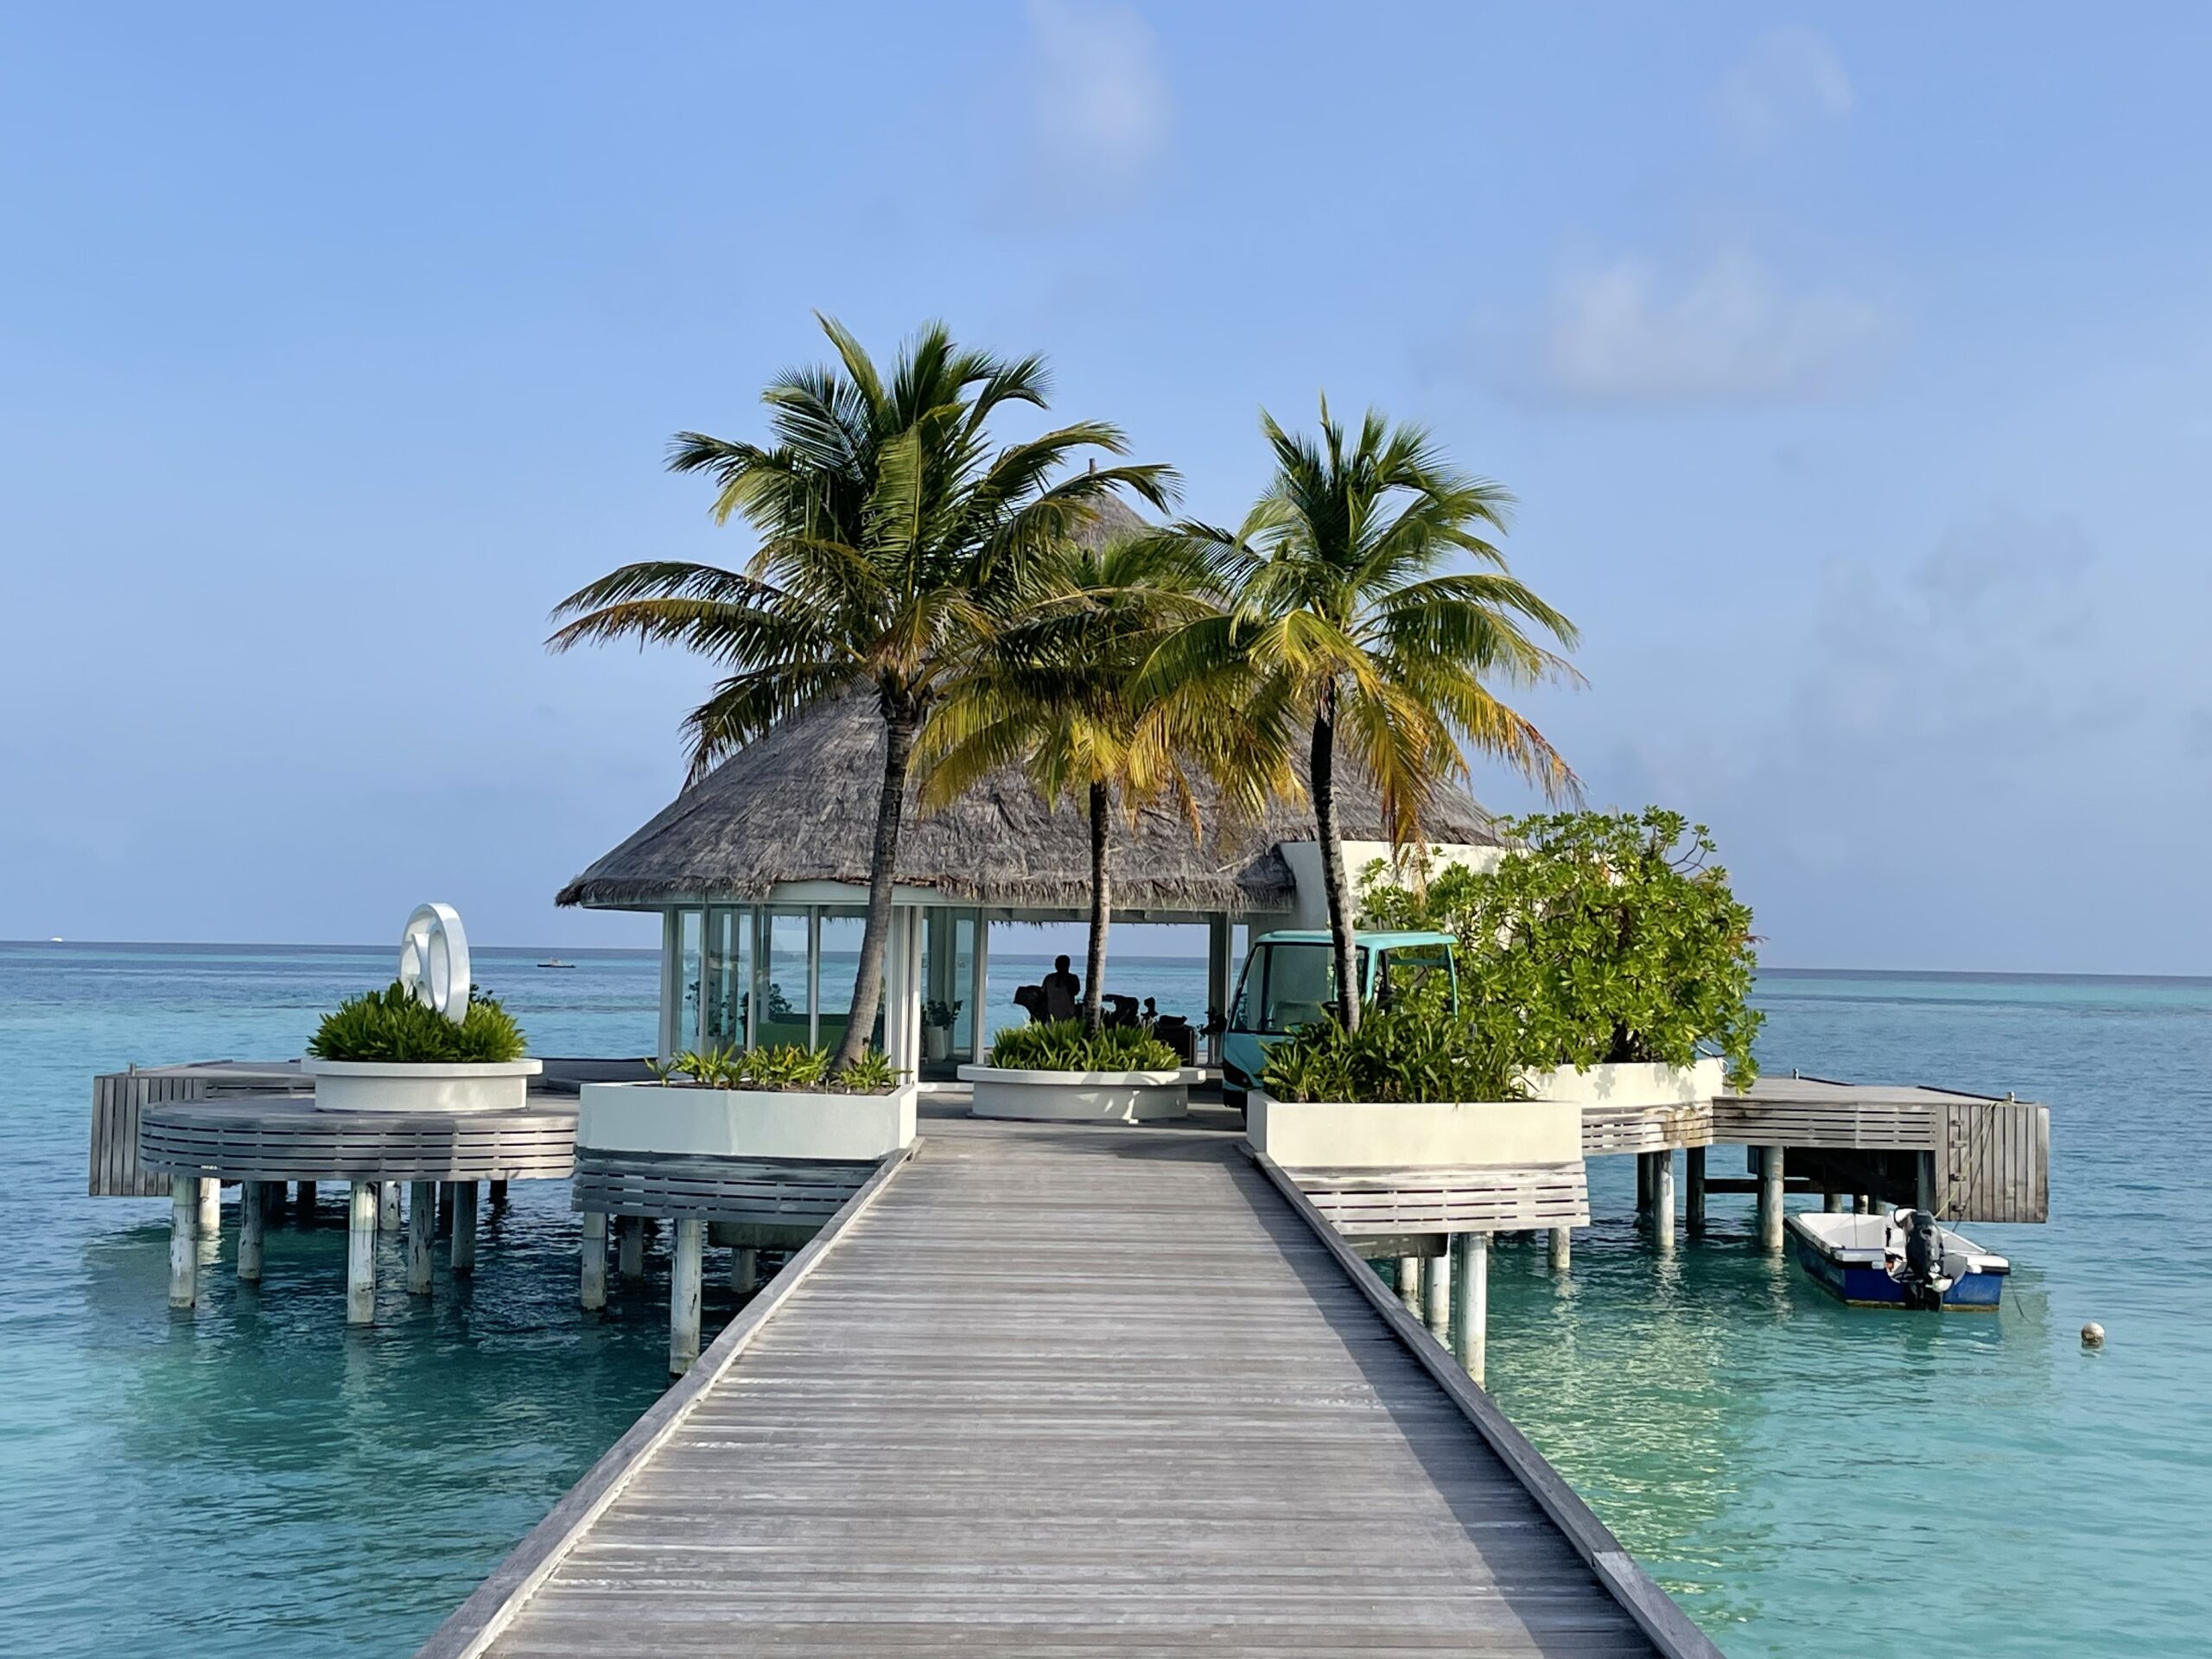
x: 1807, y: 1479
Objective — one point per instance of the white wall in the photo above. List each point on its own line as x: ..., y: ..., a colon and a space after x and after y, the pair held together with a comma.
x: 1311, y: 906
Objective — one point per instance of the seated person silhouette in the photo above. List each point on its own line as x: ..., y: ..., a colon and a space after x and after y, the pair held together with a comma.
x: 1063, y: 991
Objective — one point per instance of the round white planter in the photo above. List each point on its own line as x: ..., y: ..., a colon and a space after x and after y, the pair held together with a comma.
x: 1078, y: 1096
x: 394, y: 1086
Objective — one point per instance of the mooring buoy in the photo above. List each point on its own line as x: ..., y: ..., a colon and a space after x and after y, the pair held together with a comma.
x: 2093, y: 1335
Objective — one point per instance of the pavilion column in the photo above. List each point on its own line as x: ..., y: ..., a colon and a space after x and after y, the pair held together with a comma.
x: 1219, y: 936
x: 902, y: 990
x: 979, y: 990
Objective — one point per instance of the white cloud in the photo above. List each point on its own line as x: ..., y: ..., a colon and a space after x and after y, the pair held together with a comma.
x: 1101, y: 106
x: 1791, y: 76
x: 1732, y: 332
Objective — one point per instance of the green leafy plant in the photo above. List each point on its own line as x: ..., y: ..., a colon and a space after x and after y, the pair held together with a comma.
x: 780, y: 1066
x: 940, y: 1015
x: 391, y: 1025
x: 1601, y: 937
x: 1407, y: 1052
x: 1066, y: 1045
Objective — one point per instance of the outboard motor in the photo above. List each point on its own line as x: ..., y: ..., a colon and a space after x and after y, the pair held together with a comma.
x: 1921, y: 1274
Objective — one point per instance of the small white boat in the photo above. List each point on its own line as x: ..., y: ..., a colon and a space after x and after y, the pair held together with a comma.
x: 555, y: 962
x: 1903, y: 1259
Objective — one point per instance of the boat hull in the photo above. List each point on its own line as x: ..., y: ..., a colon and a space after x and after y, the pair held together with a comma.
x: 1871, y: 1286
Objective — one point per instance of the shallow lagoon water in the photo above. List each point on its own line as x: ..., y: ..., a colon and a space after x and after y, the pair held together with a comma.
x: 1803, y: 1476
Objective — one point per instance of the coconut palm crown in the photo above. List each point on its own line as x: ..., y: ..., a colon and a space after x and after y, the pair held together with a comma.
x: 1064, y: 695
x: 895, y: 537
x: 1343, y: 590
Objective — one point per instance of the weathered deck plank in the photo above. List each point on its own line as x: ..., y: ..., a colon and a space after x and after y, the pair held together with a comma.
x: 1063, y: 1391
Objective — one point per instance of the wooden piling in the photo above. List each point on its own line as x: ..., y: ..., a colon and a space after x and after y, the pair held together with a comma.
x: 592, y: 1293
x: 464, y: 1227
x: 445, y: 1208
x: 421, y: 1233
x: 388, y: 1206
x: 303, y: 1203
x: 1470, y: 1300
x: 361, y: 1253
x: 499, y: 1194
x: 1694, y: 1178
x: 1562, y: 1249
x: 1643, y: 1187
x: 184, y: 1241
x: 1861, y: 1204
x: 1770, y: 1178
x: 1410, y: 1284
x: 1663, y: 1201
x: 1436, y: 1295
x: 683, y: 1296
x: 745, y: 1269
x: 630, y: 1261
x: 253, y: 1218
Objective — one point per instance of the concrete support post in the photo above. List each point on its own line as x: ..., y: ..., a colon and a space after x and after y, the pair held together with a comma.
x: 184, y: 1241
x: 632, y: 1261
x: 593, y: 1292
x: 1470, y: 1293
x: 1694, y: 1178
x: 745, y: 1269
x: 1832, y: 1203
x: 361, y: 1253
x: 1663, y: 1201
x: 211, y: 1207
x: 1436, y: 1294
x: 497, y: 1191
x: 445, y: 1208
x: 1643, y: 1187
x: 303, y: 1203
x: 683, y: 1296
x: 1410, y: 1284
x: 1924, y: 1182
x: 388, y: 1206
x: 464, y: 1227
x: 1861, y: 1204
x: 1771, y: 1176
x: 1219, y: 943
x: 1562, y: 1249
x: 421, y: 1233
x: 252, y: 1219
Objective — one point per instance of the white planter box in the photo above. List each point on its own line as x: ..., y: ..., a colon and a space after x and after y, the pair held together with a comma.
x: 398, y: 1086
x: 744, y: 1123
x: 1079, y: 1096
x: 1631, y: 1086
x: 1413, y: 1135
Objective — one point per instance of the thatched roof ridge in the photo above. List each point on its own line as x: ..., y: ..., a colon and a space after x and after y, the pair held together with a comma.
x: 799, y: 805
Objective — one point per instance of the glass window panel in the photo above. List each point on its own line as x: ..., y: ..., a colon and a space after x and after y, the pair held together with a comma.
x: 689, y: 926
x: 779, y: 981
x: 1299, y: 981
x: 841, y: 961
x: 963, y: 981
x: 728, y: 953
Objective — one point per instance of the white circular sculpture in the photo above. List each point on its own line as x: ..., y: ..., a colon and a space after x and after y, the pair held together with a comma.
x: 433, y: 960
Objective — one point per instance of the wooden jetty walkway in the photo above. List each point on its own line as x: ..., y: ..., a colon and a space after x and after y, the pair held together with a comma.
x: 1053, y: 1390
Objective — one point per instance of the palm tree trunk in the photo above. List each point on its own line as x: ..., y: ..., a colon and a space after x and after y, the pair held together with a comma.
x: 1094, y: 984
x: 902, y: 724
x: 1323, y: 769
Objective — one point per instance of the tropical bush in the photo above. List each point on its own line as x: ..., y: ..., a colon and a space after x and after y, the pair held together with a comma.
x: 1064, y: 1046
x: 392, y: 1024
x: 781, y: 1065
x: 1603, y: 936
x: 1405, y: 1052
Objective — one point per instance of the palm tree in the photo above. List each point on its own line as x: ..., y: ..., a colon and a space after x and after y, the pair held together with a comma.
x: 1340, y: 591
x: 1064, y: 695
x: 894, y: 538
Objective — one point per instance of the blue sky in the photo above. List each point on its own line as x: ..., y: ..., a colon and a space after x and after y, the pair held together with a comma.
x: 1850, y: 369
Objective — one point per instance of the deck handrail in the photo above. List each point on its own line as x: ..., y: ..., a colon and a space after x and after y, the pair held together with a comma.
x: 473, y: 1626
x: 1654, y: 1610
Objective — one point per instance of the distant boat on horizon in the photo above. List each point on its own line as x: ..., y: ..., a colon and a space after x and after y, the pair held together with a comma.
x: 555, y: 962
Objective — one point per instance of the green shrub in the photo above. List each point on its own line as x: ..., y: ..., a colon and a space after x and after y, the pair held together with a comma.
x: 1604, y: 937
x: 781, y: 1065
x: 391, y: 1025
x: 1064, y: 1046
x: 1401, y: 1053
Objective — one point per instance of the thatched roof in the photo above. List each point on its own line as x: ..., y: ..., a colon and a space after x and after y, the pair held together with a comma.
x: 799, y: 805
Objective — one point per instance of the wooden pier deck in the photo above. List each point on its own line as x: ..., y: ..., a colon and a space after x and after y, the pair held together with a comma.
x: 1051, y: 1390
